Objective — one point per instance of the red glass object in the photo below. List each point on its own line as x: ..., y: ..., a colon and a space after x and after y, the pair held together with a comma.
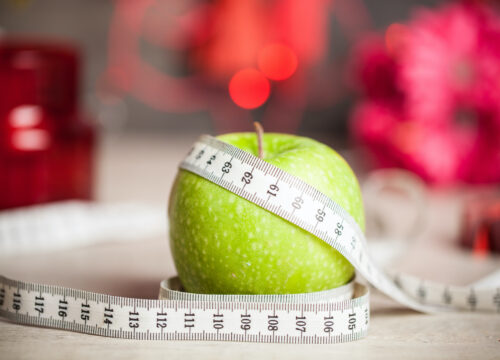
x: 481, y: 224
x: 46, y: 145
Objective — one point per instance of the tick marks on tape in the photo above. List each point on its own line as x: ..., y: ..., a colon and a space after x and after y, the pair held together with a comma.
x: 330, y: 222
x: 332, y: 316
x: 307, y: 318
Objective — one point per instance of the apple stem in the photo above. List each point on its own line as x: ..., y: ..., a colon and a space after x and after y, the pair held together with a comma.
x: 259, y: 130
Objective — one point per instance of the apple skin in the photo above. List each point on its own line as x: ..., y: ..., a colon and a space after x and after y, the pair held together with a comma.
x: 224, y: 244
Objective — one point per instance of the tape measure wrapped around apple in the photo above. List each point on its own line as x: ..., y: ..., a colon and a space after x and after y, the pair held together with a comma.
x: 225, y: 244
x: 291, y: 224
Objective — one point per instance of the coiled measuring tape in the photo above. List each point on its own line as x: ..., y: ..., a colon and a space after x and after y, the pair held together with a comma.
x: 332, y: 316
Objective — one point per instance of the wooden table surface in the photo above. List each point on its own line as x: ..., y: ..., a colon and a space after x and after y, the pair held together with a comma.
x: 141, y: 168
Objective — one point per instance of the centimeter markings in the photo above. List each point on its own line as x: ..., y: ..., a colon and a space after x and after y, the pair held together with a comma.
x: 214, y: 317
x: 331, y: 316
x: 294, y: 200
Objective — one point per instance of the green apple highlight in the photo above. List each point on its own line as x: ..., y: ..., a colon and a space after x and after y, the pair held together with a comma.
x: 224, y: 244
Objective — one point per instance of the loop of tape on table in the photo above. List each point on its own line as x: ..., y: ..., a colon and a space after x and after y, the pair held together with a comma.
x: 331, y: 316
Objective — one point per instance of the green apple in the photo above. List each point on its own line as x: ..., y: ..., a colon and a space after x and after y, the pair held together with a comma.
x: 224, y: 244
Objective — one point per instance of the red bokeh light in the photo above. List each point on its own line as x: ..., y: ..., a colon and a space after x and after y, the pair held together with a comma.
x: 249, y: 88
x: 218, y: 38
x: 395, y: 36
x: 277, y: 61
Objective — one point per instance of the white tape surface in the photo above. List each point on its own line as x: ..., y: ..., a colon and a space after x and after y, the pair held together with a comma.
x: 65, y: 224
x: 324, y: 317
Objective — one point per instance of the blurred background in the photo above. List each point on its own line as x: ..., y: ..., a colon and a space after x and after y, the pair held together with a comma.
x: 100, y: 99
x: 166, y: 65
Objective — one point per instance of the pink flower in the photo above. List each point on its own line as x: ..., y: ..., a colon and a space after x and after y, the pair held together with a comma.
x: 395, y: 142
x: 451, y: 61
x: 375, y: 70
x: 433, y: 101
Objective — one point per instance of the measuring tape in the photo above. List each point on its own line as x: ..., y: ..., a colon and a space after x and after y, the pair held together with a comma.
x: 43, y: 228
x: 331, y: 316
